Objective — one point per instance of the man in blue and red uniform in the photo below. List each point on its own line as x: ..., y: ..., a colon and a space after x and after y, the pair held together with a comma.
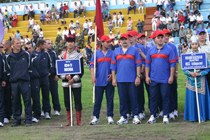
x: 160, y: 66
x: 173, y: 110
x: 102, y: 80
x: 127, y: 62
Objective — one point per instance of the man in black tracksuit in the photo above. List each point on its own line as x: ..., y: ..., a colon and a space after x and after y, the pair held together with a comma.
x: 35, y: 85
x: 19, y: 64
x: 45, y: 68
x: 53, y: 78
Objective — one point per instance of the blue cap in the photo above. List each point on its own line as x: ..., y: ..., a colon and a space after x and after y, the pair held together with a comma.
x: 26, y: 5
x: 201, y: 31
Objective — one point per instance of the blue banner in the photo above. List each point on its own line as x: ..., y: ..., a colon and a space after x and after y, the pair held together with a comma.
x: 70, y: 66
x: 194, y: 61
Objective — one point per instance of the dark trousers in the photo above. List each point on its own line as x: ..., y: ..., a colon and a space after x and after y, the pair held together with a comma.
x: 177, y: 32
x: 25, y: 15
x: 7, y: 101
x: 99, y: 92
x: 140, y: 95
x: 77, y: 98
x: 24, y: 88
x: 172, y: 6
x: 159, y: 91
x: 140, y: 30
x: 199, y: 4
x: 191, y: 23
x: 180, y: 39
x: 128, y: 91
x: 75, y: 13
x: 66, y: 14
x: 61, y: 15
x: 1, y: 104
x: 85, y: 29
x: 93, y: 36
x: 44, y: 85
x: 35, y: 95
x: 54, y: 93
x: 134, y: 8
x: 159, y: 7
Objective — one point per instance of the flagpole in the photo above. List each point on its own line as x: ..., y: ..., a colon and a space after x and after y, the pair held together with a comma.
x: 196, y: 90
x: 95, y: 62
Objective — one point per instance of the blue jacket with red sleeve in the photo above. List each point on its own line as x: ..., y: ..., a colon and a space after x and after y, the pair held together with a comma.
x: 142, y: 49
x: 125, y: 63
x: 173, y: 47
x: 103, y: 63
x: 160, y: 63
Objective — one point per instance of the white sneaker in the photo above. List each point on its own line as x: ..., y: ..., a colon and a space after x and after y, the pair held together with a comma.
x: 6, y: 120
x: 151, y: 120
x: 57, y: 113
x: 165, y: 119
x: 129, y: 117
x: 94, y: 121
x: 42, y: 114
x: 1, y: 124
x: 141, y: 116
x: 47, y: 115
x: 175, y: 113
x: 171, y: 116
x: 35, y: 120
x: 110, y: 120
x: 161, y: 114
x: 122, y: 120
x: 136, y: 120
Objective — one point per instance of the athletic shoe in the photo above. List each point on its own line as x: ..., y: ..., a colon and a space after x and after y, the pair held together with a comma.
x: 136, y: 120
x: 141, y: 116
x: 161, y: 114
x: 35, y: 120
x: 165, y: 119
x: 94, y: 121
x: 171, y: 116
x: 151, y: 120
x: 1, y: 124
x: 122, y: 120
x: 175, y: 113
x: 129, y: 117
x: 57, y: 113
x: 6, y: 120
x: 42, y: 114
x: 47, y: 116
x: 110, y: 120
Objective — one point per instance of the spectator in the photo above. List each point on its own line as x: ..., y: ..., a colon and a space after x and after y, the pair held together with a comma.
x: 57, y: 17
x: 36, y: 27
x: 168, y: 19
x: 163, y: 12
x: 111, y: 36
x: 192, y: 20
x: 154, y: 23
x: 48, y: 18
x: 41, y: 35
x: 172, y: 3
x: 47, y: 9
x: 141, y: 6
x: 18, y: 35
x: 180, y: 48
x: 157, y: 13
x: 199, y: 20
x: 85, y: 27
x: 59, y: 32
x: 188, y: 3
x: 118, y: 35
x: 188, y: 34
x: 106, y: 13
x: 149, y: 43
x: 10, y: 19
x: 72, y: 30
x: 195, y: 11
x: 31, y: 11
x: 175, y: 19
x: 162, y: 19
x: 5, y: 12
x: 110, y: 25
x: 176, y: 13
x: 54, y: 10
x: 6, y: 26
x: 158, y: 22
x: 104, y: 5
x: 161, y: 26
x: 166, y: 5
x: 6, y: 18
x: 114, y: 21
x: 88, y: 52
x: 90, y: 23
x: 182, y: 34
x: 91, y: 34
x: 63, y: 21
x: 199, y: 2
x: 181, y: 19
x: 186, y: 12
x: 13, y: 35
x: 76, y: 9
x: 61, y: 11
x: 81, y: 9
x: 60, y: 46
x: 129, y: 24
x: 140, y: 26
x: 194, y: 4
x: 184, y: 47
x: 53, y: 18
x: 72, y: 24
x: 78, y: 25
x: 33, y: 41
x: 27, y: 39
x: 65, y: 10
x: 159, y: 4
x: 42, y: 18
x: 171, y: 13
x: 34, y: 34
x: 26, y: 12
x: 58, y: 39
x: 30, y: 23
x: 22, y: 41
x: 132, y: 6
x: 15, y: 20
x: 208, y: 32
x: 81, y: 40
x: 121, y: 19
x: 170, y: 26
x: 171, y: 39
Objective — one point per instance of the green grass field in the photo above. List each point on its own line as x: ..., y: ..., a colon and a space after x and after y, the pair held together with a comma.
x: 55, y: 129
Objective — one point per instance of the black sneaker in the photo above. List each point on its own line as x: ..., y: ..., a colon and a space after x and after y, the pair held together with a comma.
x: 15, y: 124
x: 28, y: 124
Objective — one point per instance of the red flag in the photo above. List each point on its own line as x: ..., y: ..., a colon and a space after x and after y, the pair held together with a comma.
x: 99, y: 20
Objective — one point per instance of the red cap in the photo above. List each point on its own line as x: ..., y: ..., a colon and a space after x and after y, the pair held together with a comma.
x: 141, y: 35
x: 135, y: 32
x: 156, y: 33
x: 124, y: 35
x: 131, y: 33
x: 166, y: 31
x: 105, y: 38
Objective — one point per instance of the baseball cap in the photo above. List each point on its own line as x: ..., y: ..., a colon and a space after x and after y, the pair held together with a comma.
x: 131, y: 33
x: 26, y: 5
x: 105, y: 38
x: 156, y: 33
x: 124, y: 36
x: 141, y: 35
x: 201, y: 31
x: 77, y: 21
x: 166, y: 31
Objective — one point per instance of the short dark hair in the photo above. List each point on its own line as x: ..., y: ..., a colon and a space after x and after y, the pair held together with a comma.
x: 40, y: 42
x: 28, y: 43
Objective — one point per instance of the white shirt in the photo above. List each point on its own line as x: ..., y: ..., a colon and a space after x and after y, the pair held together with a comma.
x: 192, y: 18
x: 163, y: 19
x: 81, y: 6
x: 168, y: 19
x: 65, y: 33
x: 166, y: 2
x: 76, y: 7
x: 27, y: 40
x: 154, y: 20
x: 91, y: 31
x: 41, y: 34
x: 31, y: 22
x: 72, y: 32
x: 85, y: 25
x: 72, y: 25
x: 36, y: 27
x: 159, y: 2
x: 199, y: 18
x: 31, y: 9
x: 120, y: 17
x: 90, y: 24
x: 47, y: 9
x: 171, y: 40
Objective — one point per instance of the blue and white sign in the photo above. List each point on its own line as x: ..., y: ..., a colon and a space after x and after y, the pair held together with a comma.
x: 194, y: 61
x: 70, y: 66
